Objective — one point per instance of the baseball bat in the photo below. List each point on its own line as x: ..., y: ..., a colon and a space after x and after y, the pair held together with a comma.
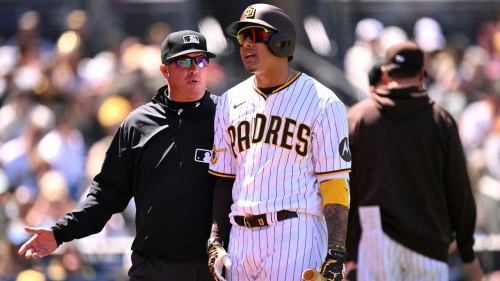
x: 312, y: 275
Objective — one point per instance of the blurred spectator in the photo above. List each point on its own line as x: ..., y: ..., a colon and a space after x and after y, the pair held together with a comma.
x: 478, y: 118
x: 21, y: 110
x: 64, y: 149
x: 428, y: 35
x: 10, y: 262
x: 472, y: 70
x: 65, y: 73
x: 391, y: 35
x: 35, y: 49
x: 489, y: 183
x: 476, y: 122
x: 21, y: 161
x: 53, y: 200
x: 360, y: 57
x: 445, y: 89
x: 493, y: 67
x: 487, y: 31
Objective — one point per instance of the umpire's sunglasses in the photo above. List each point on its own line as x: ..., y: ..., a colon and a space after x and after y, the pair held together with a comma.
x: 185, y: 62
x: 257, y: 34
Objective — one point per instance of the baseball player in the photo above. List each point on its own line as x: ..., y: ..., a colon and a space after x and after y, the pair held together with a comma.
x: 281, y: 155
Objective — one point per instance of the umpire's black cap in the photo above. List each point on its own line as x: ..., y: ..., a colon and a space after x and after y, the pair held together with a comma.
x: 184, y: 42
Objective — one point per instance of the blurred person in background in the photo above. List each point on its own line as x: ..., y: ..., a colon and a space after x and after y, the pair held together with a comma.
x: 53, y: 200
x: 22, y: 110
x: 391, y: 35
x: 21, y: 161
x: 11, y: 264
x: 34, y: 48
x: 428, y: 35
x: 409, y: 185
x: 486, y: 32
x: 478, y: 120
x: 472, y: 70
x: 446, y: 86
x: 64, y: 150
x: 158, y: 157
x: 489, y: 183
x: 360, y: 57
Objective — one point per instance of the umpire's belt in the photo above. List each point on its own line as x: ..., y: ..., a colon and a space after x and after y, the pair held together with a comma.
x: 260, y: 220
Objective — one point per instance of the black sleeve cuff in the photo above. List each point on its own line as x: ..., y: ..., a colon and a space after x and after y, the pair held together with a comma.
x: 58, y: 234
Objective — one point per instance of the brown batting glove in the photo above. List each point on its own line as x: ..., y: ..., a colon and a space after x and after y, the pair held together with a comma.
x: 333, y: 267
x: 218, y: 259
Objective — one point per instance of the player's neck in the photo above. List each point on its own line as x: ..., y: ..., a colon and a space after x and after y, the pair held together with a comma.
x: 274, y: 78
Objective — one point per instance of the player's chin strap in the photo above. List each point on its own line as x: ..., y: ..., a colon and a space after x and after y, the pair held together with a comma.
x: 333, y: 268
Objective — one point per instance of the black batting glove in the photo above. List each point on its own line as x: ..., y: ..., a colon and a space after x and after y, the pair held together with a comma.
x: 333, y: 267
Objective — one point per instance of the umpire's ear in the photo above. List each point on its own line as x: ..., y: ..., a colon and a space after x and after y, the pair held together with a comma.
x: 164, y: 70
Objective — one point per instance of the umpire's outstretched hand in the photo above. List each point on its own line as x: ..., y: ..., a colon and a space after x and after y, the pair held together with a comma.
x: 41, y: 244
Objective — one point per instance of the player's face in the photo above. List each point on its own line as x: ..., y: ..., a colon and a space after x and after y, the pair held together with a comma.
x: 187, y: 77
x: 256, y: 56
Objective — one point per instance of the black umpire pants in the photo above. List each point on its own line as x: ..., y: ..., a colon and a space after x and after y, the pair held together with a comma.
x: 154, y: 268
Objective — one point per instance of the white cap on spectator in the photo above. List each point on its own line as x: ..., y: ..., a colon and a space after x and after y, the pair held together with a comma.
x: 392, y: 35
x: 369, y: 29
x: 428, y: 34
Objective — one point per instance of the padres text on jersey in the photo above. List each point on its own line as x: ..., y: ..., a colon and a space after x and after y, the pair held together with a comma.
x: 267, y: 144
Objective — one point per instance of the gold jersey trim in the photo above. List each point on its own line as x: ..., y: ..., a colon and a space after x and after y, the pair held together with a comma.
x: 279, y: 89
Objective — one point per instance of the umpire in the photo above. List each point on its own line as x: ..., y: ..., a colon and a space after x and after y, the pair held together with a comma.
x: 159, y: 156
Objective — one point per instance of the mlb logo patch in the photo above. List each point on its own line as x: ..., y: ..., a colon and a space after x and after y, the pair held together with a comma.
x: 191, y: 39
x: 203, y: 155
x: 399, y: 59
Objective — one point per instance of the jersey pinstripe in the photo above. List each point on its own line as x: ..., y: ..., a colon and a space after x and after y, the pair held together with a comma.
x: 277, y: 147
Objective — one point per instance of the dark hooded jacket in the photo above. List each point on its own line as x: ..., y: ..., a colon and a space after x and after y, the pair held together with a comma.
x: 159, y: 156
x: 408, y: 159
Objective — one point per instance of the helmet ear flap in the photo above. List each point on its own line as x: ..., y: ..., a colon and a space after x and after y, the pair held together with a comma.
x: 282, y: 44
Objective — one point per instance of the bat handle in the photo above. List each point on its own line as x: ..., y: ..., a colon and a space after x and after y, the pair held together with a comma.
x: 312, y: 275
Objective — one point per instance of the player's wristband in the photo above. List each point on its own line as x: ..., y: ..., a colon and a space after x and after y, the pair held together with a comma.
x: 212, y: 242
x: 336, y: 253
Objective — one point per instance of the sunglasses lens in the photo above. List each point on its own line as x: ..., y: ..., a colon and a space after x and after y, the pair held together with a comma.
x: 186, y: 62
x: 256, y: 34
x: 201, y: 61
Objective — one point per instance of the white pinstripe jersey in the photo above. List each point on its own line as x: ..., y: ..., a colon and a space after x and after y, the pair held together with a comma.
x: 276, y: 147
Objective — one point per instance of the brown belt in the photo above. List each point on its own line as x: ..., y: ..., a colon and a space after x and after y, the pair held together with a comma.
x: 260, y: 220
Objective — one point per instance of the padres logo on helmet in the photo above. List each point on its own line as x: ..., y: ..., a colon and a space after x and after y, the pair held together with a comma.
x: 249, y: 12
x: 282, y: 43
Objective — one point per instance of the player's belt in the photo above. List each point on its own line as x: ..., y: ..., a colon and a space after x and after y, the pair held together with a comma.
x: 260, y: 220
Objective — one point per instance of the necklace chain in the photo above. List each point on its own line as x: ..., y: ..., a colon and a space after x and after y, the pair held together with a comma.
x: 289, y: 74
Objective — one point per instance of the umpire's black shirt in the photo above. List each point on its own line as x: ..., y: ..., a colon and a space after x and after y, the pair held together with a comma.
x: 160, y: 157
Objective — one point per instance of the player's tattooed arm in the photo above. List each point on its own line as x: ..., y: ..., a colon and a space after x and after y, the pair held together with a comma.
x: 336, y: 222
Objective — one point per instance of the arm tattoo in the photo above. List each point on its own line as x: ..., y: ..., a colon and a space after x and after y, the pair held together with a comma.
x: 336, y: 222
